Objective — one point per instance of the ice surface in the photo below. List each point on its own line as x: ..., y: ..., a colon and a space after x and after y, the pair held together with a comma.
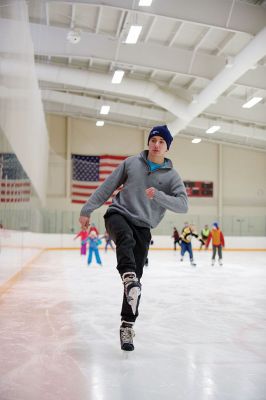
x: 201, y: 333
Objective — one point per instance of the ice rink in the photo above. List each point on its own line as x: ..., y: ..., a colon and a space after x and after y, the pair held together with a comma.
x: 201, y: 333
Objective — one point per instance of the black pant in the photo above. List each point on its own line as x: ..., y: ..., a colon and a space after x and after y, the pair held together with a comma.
x: 176, y: 242
x: 219, y: 248
x: 132, y: 245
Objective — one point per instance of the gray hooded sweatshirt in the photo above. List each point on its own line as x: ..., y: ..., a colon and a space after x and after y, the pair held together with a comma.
x: 135, y: 175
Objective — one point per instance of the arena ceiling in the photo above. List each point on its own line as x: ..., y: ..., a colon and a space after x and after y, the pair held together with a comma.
x: 195, y: 64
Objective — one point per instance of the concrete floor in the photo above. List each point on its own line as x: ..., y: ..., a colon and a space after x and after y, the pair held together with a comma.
x: 201, y: 333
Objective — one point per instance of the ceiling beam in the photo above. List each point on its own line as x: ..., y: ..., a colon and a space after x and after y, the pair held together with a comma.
x: 249, y: 56
x: 91, y: 103
x: 102, y: 83
x: 243, y: 17
x: 87, y: 104
x: 229, y: 128
x: 51, y: 41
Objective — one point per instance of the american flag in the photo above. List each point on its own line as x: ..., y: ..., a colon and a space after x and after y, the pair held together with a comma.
x: 88, y: 172
x: 14, y: 182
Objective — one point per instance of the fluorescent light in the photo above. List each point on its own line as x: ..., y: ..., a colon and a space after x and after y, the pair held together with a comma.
x: 195, y: 99
x: 145, y: 3
x: 255, y: 66
x: 100, y: 123
x: 133, y: 34
x: 105, y: 110
x: 229, y: 62
x: 252, y: 102
x: 213, y: 129
x: 118, y: 76
x: 196, y: 140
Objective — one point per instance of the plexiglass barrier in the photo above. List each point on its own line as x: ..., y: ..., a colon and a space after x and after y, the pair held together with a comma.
x: 17, y: 217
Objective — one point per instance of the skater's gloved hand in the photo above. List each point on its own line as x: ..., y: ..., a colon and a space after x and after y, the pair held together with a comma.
x: 150, y: 192
x: 201, y: 241
x: 84, y: 222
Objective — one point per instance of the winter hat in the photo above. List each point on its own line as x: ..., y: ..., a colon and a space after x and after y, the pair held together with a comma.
x: 215, y: 224
x: 162, y: 131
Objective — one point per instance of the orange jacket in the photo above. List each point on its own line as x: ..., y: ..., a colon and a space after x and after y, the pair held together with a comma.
x: 217, y: 238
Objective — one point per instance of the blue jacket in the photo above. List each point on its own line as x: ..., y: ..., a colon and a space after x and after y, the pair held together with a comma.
x: 94, y: 242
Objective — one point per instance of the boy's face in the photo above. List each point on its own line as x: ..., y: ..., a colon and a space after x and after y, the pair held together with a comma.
x: 157, y: 146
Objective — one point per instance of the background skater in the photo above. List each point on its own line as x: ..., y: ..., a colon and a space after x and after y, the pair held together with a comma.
x: 217, y: 237
x: 176, y: 237
x: 83, y: 234
x: 94, y: 243
x: 185, y: 243
x: 204, y: 235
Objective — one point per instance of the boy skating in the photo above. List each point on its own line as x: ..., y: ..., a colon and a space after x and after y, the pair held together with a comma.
x: 150, y: 187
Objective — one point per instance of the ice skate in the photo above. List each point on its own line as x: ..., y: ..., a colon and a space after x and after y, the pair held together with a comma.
x: 220, y: 262
x: 126, y: 336
x: 132, y: 289
x: 213, y: 261
x: 181, y: 259
x: 192, y: 263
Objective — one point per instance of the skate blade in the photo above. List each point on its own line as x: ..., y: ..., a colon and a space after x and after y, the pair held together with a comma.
x: 133, y: 298
x: 126, y: 355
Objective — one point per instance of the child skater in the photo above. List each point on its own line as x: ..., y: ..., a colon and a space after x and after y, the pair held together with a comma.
x: 93, y: 228
x: 150, y: 186
x: 94, y: 242
x: 204, y: 235
x: 217, y: 237
x: 83, y: 234
x: 108, y: 241
x: 176, y: 237
x: 185, y: 239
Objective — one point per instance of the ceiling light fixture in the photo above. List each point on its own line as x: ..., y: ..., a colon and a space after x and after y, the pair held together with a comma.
x: 118, y: 76
x: 195, y: 99
x: 196, y: 140
x: 229, y: 62
x: 255, y: 66
x: 252, y: 102
x: 145, y: 3
x: 100, y: 123
x: 213, y: 128
x: 133, y: 34
x: 105, y: 110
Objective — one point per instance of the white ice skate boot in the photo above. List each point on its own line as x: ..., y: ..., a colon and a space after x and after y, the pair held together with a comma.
x: 192, y: 263
x: 213, y: 261
x: 181, y: 259
x: 220, y: 262
x: 132, y: 289
x: 126, y: 336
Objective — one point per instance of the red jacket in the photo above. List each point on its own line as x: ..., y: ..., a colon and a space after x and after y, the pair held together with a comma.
x: 83, y: 235
x: 217, y: 238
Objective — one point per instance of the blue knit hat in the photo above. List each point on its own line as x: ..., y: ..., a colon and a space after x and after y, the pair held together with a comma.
x: 216, y: 225
x: 162, y: 131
